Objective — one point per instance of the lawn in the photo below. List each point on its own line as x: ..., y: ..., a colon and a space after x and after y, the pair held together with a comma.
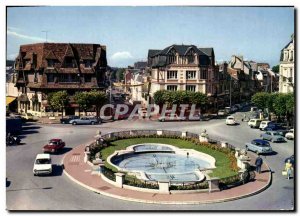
x: 222, y: 161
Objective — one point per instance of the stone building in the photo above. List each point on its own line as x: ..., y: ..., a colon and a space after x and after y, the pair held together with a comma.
x: 43, y: 68
x: 183, y: 67
x: 287, y: 68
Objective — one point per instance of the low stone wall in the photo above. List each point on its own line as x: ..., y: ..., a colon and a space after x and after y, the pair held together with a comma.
x: 164, y: 187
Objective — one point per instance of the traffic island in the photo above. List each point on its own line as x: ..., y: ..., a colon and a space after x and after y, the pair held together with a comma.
x: 80, y: 172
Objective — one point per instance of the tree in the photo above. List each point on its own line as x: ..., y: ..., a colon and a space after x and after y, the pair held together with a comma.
x: 260, y: 99
x: 275, y: 69
x: 279, y: 105
x: 98, y: 99
x: 120, y: 74
x: 59, y: 100
x: 290, y: 106
x: 84, y: 100
x: 159, y: 97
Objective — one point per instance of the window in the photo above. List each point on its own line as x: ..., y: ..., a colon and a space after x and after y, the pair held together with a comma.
x: 50, y: 77
x: 172, y: 59
x: 203, y: 73
x: 171, y: 74
x: 69, y: 63
x: 191, y: 88
x: 50, y: 63
x: 190, y: 75
x: 172, y: 87
x: 87, y: 78
x: 191, y: 59
x: 87, y: 63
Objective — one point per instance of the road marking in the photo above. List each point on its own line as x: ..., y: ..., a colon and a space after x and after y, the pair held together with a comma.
x: 75, y: 158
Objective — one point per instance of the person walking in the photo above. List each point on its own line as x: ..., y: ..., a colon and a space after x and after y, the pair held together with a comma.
x: 288, y: 168
x: 258, y: 163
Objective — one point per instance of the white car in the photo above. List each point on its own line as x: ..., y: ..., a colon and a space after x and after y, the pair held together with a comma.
x: 264, y: 124
x: 42, y: 165
x: 230, y: 120
x: 290, y: 134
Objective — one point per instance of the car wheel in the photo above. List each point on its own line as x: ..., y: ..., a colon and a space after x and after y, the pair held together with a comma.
x: 251, y: 126
x: 64, y: 122
x: 92, y: 123
x: 74, y: 123
x: 257, y: 152
x: 163, y: 120
x: 247, y: 148
x: 271, y: 140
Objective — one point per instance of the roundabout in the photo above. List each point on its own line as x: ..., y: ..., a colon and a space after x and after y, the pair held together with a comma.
x: 165, y: 170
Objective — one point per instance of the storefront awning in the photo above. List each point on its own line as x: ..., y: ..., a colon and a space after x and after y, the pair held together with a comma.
x: 9, y: 99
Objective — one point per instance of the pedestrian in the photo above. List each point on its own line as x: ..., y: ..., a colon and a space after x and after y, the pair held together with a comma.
x: 258, y: 163
x: 288, y: 168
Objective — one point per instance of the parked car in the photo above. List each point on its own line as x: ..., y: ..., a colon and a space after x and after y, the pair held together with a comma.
x: 67, y: 119
x: 259, y: 146
x: 27, y: 116
x: 171, y: 117
x: 254, y: 123
x: 290, y: 134
x: 264, y: 124
x: 228, y: 110
x: 272, y: 136
x: 42, y: 165
x: 222, y: 113
x: 253, y: 109
x: 275, y: 127
x: 85, y: 121
x: 230, y: 120
x: 54, y: 146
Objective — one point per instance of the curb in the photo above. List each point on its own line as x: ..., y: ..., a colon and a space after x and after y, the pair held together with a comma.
x: 168, y: 202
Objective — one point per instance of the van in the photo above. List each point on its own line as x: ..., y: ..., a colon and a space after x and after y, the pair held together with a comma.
x: 254, y: 123
x: 264, y: 124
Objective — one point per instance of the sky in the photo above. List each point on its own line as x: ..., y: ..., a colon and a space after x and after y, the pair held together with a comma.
x: 257, y: 33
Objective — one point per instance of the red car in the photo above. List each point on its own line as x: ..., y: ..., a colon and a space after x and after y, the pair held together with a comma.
x: 54, y: 145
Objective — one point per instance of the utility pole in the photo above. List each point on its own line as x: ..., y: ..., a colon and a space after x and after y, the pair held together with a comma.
x: 230, y: 91
x: 46, y: 31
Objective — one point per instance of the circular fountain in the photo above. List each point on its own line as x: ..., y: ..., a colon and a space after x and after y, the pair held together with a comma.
x: 161, y: 162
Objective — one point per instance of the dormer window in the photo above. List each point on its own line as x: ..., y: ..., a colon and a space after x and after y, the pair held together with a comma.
x: 87, y: 63
x: 50, y: 63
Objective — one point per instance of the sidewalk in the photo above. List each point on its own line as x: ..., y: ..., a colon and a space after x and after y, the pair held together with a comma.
x: 79, y: 172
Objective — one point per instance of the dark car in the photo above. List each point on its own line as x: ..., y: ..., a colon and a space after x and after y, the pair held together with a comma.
x: 278, y: 128
x: 67, y: 119
x: 54, y: 145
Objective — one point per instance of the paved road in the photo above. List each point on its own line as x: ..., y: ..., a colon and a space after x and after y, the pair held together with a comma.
x: 27, y: 192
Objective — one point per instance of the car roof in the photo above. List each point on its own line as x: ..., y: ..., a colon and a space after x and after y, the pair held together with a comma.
x: 43, y: 156
x: 55, y: 140
x: 261, y: 141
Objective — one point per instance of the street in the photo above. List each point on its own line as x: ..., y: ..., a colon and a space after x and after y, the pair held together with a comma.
x: 58, y: 192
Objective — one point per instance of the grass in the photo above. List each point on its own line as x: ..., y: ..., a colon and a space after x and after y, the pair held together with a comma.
x: 222, y: 169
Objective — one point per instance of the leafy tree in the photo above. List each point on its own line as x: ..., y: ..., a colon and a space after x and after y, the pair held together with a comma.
x: 58, y: 100
x: 98, y: 99
x: 159, y: 97
x: 120, y: 74
x: 84, y: 100
x: 275, y: 69
x: 260, y: 99
x: 279, y: 105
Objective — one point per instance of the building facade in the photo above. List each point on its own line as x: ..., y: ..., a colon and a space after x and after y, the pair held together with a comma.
x: 286, y: 68
x: 183, y: 67
x: 49, y: 67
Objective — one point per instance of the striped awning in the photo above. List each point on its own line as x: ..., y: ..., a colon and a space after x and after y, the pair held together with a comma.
x: 9, y: 99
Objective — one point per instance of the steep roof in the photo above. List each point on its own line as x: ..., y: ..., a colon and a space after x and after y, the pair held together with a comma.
x: 152, y: 52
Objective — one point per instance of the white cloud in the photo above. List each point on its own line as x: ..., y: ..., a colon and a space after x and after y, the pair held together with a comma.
x: 12, y: 56
x: 27, y: 37
x: 12, y: 28
x: 121, y: 55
